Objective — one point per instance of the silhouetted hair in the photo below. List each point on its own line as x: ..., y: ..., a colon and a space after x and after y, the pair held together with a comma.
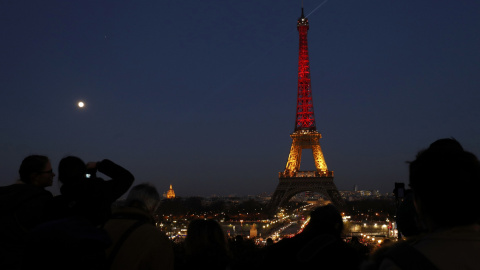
x: 205, y: 236
x: 446, y: 180
x: 325, y: 219
x: 32, y: 164
x: 71, y: 169
x: 144, y: 194
x: 447, y: 144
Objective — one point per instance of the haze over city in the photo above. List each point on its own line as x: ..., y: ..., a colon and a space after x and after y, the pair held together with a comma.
x: 202, y: 94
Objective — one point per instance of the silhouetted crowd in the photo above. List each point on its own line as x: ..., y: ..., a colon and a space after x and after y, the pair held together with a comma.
x: 81, y: 229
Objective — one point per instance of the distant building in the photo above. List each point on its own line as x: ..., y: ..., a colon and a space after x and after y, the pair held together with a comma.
x: 253, y: 231
x: 170, y: 193
x: 363, y: 194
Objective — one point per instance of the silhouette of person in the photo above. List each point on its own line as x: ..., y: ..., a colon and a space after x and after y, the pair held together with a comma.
x: 23, y: 205
x: 205, y: 246
x: 269, y: 242
x: 319, y: 245
x: 445, y: 180
x: 73, y: 234
x: 245, y: 253
x: 85, y: 194
x: 362, y: 249
x: 137, y: 242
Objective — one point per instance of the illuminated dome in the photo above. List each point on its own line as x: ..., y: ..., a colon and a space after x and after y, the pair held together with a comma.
x: 170, y: 193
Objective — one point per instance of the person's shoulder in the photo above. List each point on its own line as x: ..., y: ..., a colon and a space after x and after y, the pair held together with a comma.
x: 387, y: 264
x: 20, y: 186
x: 153, y: 230
x: 148, y: 227
x: 10, y: 187
x: 404, y: 255
x: 11, y: 190
x: 155, y: 237
x: 21, y: 192
x: 134, y: 213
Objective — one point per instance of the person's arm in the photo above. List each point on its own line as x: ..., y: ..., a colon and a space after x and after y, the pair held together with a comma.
x: 121, y: 179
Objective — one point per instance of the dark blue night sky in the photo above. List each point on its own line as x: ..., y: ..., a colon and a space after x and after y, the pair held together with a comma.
x: 202, y: 94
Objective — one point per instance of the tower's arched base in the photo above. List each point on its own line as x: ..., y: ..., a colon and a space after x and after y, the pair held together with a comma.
x: 291, y: 186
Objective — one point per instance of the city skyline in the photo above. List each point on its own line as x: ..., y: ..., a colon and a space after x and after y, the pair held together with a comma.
x: 202, y: 96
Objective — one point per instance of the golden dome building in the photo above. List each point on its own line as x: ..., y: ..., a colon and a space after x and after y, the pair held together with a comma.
x: 170, y: 193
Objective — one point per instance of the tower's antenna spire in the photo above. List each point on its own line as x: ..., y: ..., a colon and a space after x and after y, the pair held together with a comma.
x: 302, y: 10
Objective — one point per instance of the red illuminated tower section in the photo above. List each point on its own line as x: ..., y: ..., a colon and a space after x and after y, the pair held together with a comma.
x: 305, y: 136
x: 305, y: 119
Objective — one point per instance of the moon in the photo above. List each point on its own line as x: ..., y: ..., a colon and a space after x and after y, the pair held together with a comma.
x: 81, y: 104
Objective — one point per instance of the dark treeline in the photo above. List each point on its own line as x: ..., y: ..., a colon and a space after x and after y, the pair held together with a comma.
x: 199, y: 205
x: 379, y: 208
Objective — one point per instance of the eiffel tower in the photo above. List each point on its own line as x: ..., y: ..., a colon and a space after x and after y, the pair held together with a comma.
x: 305, y: 136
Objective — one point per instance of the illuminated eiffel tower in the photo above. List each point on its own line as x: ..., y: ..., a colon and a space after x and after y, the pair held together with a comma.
x: 305, y: 136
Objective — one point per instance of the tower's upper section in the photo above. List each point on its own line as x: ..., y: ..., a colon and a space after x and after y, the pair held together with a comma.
x: 305, y: 118
x: 302, y: 21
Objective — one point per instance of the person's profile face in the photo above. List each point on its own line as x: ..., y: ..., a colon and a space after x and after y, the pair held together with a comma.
x: 44, y: 178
